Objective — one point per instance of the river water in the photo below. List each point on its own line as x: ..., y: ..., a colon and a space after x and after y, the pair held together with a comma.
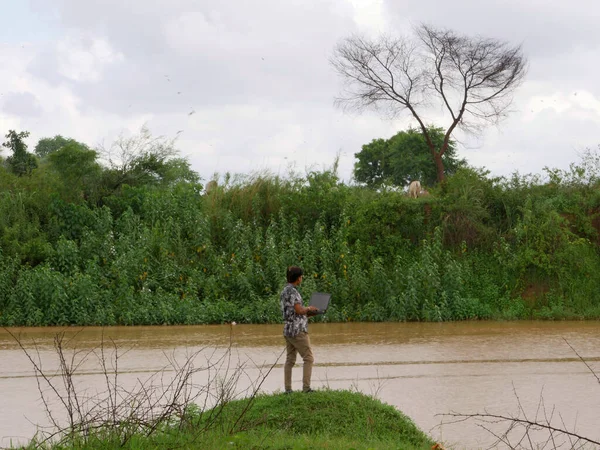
x: 427, y: 370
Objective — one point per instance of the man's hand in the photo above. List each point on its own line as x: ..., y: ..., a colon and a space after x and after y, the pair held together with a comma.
x: 309, y: 310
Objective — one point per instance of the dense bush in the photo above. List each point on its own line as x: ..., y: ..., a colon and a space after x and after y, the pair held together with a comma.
x: 162, y: 251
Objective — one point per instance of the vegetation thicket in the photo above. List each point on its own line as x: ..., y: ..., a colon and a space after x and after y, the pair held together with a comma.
x: 130, y: 237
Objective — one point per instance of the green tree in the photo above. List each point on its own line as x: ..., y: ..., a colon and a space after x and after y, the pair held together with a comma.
x: 144, y: 160
x: 403, y: 158
x: 77, y: 167
x: 21, y: 162
x: 46, y: 146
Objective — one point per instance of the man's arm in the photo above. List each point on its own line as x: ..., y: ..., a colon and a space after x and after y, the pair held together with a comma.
x: 302, y: 311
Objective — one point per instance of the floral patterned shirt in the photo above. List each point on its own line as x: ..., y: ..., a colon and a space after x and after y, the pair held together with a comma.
x: 294, y: 323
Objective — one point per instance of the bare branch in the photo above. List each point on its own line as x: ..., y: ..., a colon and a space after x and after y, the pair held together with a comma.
x: 379, y: 74
x: 473, y: 79
x: 583, y: 361
x: 160, y: 402
x: 557, y: 436
x: 524, y: 422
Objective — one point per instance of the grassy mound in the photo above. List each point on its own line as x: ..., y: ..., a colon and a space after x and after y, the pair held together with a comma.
x: 322, y: 419
x: 328, y: 412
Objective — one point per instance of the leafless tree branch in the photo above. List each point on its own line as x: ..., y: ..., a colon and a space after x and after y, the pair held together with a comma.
x: 163, y: 399
x: 472, y: 78
x: 521, y: 425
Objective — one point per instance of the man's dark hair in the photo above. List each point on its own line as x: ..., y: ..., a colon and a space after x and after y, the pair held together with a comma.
x: 293, y: 273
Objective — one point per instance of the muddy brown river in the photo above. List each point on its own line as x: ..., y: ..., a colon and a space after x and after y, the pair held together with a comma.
x: 426, y: 370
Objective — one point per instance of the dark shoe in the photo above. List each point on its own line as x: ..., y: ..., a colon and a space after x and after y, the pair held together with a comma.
x: 288, y: 392
x: 309, y: 390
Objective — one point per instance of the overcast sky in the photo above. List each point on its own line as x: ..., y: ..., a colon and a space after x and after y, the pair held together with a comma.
x: 248, y: 85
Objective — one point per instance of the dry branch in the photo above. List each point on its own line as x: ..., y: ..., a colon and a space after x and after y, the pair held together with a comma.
x: 151, y: 405
x: 518, y: 428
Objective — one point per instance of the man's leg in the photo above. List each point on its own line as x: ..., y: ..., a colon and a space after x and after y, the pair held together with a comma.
x: 290, y: 360
x: 303, y: 347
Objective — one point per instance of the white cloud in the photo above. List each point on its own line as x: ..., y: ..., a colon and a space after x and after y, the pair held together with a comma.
x: 580, y: 105
x: 21, y: 104
x: 83, y: 58
x: 369, y: 15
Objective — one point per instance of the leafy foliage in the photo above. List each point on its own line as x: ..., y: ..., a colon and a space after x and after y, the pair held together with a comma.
x: 78, y: 169
x: 21, y: 162
x: 403, y: 158
x: 76, y: 247
x: 47, y: 146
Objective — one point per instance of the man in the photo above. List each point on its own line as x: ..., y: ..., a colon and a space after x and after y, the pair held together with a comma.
x: 295, y: 330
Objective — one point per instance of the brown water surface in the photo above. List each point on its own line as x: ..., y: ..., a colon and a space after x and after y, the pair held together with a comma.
x: 426, y: 370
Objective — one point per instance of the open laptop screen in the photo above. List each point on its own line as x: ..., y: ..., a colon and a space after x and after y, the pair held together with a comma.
x: 321, y: 301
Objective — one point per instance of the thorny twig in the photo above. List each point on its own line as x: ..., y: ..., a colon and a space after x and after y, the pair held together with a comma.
x: 556, y: 436
x: 147, y: 406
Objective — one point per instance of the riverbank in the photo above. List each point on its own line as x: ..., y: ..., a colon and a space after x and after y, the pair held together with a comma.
x: 329, y: 419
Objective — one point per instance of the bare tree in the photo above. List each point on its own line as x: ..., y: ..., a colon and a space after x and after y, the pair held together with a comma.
x: 126, y: 151
x: 472, y: 79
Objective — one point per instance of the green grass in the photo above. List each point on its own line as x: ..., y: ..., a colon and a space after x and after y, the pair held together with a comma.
x: 324, y: 419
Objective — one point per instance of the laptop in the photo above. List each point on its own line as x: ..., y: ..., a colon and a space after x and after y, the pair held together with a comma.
x: 321, y: 301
